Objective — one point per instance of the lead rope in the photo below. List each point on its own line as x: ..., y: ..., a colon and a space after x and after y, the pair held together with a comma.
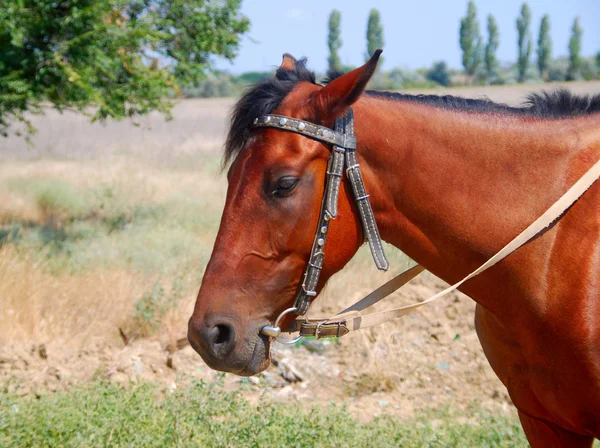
x: 347, y: 320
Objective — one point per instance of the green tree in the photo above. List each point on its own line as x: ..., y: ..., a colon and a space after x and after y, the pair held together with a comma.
x: 334, y: 42
x: 544, y: 48
x: 470, y: 40
x: 524, y: 41
x: 575, y: 60
x: 125, y: 57
x: 374, y: 34
x: 491, y: 62
x: 439, y: 73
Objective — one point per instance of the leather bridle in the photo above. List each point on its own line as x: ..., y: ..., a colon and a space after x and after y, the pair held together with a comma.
x: 343, y: 160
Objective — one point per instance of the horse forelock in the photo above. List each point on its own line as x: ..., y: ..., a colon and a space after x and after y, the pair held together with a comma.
x: 260, y: 99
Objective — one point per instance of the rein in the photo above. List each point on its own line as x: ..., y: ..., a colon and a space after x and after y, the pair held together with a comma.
x: 343, y: 155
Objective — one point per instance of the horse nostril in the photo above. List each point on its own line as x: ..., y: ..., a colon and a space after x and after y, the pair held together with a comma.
x: 223, y: 334
x: 221, y: 339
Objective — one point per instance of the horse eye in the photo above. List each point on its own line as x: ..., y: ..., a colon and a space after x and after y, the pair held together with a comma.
x: 285, y: 186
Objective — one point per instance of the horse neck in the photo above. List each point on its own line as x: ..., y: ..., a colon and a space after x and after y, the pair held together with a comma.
x: 450, y: 188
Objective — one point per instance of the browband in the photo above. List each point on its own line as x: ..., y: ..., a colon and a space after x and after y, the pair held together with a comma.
x: 314, y: 131
x: 343, y: 158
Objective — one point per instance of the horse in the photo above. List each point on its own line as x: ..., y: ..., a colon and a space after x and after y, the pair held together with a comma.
x: 450, y: 181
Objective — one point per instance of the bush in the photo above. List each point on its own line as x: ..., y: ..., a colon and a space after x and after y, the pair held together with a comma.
x: 558, y: 69
x: 214, y: 86
x: 404, y: 78
x: 439, y: 74
x: 152, y: 307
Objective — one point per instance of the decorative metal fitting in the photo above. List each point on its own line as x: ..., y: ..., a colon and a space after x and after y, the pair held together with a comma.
x: 320, y: 241
x: 309, y: 293
x: 301, y: 126
x: 267, y: 119
x: 282, y: 121
x: 256, y: 120
x: 324, y: 229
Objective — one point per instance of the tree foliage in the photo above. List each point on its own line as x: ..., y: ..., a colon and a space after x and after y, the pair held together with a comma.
x: 439, y: 73
x: 125, y: 57
x: 575, y: 59
x: 470, y: 40
x: 334, y: 42
x: 491, y: 61
x: 524, y: 41
x: 374, y: 34
x: 544, y: 49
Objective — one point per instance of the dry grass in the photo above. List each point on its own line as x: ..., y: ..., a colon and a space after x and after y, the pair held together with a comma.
x: 40, y: 307
x: 84, y: 239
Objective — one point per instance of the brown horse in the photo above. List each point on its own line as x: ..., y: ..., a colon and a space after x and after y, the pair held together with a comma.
x: 451, y: 181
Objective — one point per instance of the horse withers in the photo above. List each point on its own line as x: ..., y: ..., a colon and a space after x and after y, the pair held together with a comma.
x: 450, y: 182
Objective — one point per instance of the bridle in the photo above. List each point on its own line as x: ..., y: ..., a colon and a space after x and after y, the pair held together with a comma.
x: 342, y: 161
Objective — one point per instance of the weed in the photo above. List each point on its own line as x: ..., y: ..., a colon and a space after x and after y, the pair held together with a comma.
x: 151, y: 308
x: 368, y: 383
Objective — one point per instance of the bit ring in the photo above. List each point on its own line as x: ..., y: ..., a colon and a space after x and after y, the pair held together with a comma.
x: 274, y: 331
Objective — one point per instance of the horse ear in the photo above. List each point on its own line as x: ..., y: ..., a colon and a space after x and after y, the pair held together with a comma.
x: 288, y: 63
x: 342, y: 92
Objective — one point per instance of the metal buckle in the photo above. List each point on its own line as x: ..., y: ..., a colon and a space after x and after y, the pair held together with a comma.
x: 317, y: 329
x: 351, y: 167
x: 274, y: 331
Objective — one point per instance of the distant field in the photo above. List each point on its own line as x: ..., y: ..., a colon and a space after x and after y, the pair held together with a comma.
x: 105, y: 230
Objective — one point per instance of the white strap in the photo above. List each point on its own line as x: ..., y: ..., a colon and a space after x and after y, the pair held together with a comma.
x: 354, y: 323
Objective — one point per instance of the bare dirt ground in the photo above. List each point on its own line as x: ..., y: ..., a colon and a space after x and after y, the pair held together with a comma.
x: 429, y: 359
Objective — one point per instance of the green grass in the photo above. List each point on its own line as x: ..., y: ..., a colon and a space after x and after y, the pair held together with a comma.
x: 101, y: 414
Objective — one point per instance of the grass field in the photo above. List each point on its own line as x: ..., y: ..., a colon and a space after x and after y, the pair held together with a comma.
x: 104, y: 234
x: 101, y: 414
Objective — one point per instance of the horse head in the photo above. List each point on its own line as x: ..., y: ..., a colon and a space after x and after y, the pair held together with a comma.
x: 271, y: 214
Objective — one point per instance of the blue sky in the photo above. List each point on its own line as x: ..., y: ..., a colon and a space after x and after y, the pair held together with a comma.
x: 416, y: 32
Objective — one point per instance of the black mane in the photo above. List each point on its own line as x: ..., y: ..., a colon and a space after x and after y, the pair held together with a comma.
x: 265, y: 96
x: 559, y: 103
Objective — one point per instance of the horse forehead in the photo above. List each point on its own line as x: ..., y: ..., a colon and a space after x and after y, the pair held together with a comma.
x: 271, y: 147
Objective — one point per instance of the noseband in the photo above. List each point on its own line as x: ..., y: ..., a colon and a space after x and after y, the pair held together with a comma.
x: 342, y: 160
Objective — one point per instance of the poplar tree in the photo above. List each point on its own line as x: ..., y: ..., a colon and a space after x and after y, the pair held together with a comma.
x: 524, y: 41
x: 334, y: 42
x: 575, y: 60
x: 470, y: 40
x: 374, y: 34
x: 491, y: 62
x: 544, y: 49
